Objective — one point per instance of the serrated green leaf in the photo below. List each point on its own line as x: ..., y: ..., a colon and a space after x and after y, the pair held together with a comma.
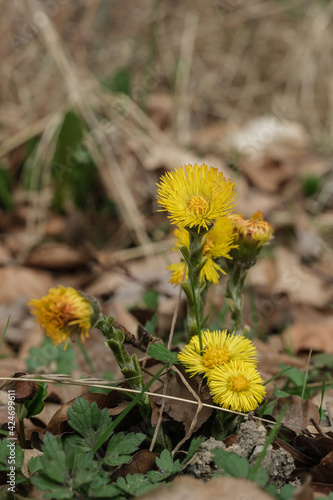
x: 6, y: 445
x: 54, y: 460
x: 287, y: 492
x: 85, y: 470
x: 232, y: 464
x: 166, y: 463
x: 161, y: 353
x: 89, y: 421
x: 35, y: 465
x: 51, y: 488
x: 261, y: 477
x: 155, y: 476
x: 134, y: 485
x: 193, y: 448
x: 121, y: 447
x: 150, y: 325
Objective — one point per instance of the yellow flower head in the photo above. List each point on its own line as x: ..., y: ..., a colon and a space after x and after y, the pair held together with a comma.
x: 63, y: 314
x: 254, y: 231
x: 237, y: 386
x: 219, y: 242
x: 219, y: 348
x: 195, y: 196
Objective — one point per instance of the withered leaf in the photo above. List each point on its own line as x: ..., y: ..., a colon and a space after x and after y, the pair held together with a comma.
x: 314, y: 447
x: 323, y: 472
x: 141, y: 462
x: 24, y: 390
x: 299, y: 412
x: 227, y: 488
x: 185, y: 412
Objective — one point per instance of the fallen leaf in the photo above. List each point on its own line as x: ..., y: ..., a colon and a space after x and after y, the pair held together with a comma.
x: 141, y: 462
x: 56, y: 256
x: 185, y: 412
x: 306, y: 335
x: 323, y: 472
x: 228, y: 488
x: 298, y: 281
x: 16, y: 281
x: 299, y: 412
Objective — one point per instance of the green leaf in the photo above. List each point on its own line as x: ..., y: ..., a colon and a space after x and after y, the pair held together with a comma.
x: 89, y: 421
x: 4, y: 332
x: 53, y: 460
x: 84, y: 470
x: 6, y: 199
x: 121, y: 447
x: 261, y: 477
x: 150, y: 299
x: 120, y: 81
x: 295, y: 375
x: 35, y: 465
x: 150, y: 326
x: 47, y: 353
x: 53, y: 489
x: 36, y: 405
x: 194, y: 446
x: 134, y: 485
x: 166, y: 463
x: 161, y: 353
x: 287, y: 492
x: 7, y: 457
x: 281, y: 394
x: 232, y: 464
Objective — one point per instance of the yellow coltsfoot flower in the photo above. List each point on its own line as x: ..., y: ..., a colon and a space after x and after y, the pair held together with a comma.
x: 64, y: 314
x: 219, y: 348
x: 195, y: 196
x: 236, y: 386
x: 219, y: 242
x: 255, y: 231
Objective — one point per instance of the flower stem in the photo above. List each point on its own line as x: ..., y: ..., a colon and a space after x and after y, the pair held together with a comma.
x: 234, y: 294
x: 129, y: 365
x: 193, y: 287
x: 86, y: 356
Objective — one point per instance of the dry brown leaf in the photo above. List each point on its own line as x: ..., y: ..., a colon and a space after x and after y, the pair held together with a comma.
x: 186, y: 412
x: 20, y: 281
x: 269, y: 151
x: 226, y: 488
x: 5, y: 256
x: 298, y: 281
x: 326, y: 400
x: 141, y: 462
x: 159, y: 108
x: 306, y: 335
x: 323, y: 472
x: 56, y: 257
x: 299, y: 412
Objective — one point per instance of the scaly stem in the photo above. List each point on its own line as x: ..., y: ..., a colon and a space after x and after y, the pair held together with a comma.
x: 193, y: 287
x: 234, y: 294
x: 129, y: 365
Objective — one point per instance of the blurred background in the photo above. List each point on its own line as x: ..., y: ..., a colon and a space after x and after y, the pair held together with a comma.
x: 101, y: 97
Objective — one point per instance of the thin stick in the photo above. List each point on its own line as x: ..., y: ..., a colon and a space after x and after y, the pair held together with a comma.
x: 89, y: 382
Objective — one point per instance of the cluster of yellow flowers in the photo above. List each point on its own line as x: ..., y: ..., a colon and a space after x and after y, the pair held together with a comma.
x: 196, y: 197
x: 229, y: 364
x: 199, y: 198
